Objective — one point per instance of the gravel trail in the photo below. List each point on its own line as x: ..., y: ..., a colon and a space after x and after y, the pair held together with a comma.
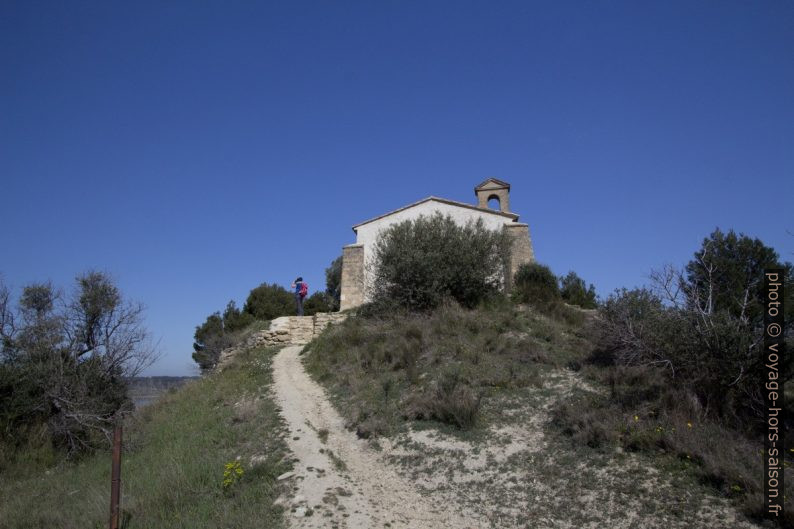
x: 339, y: 481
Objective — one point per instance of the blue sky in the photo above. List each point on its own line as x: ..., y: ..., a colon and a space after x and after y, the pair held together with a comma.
x: 196, y: 149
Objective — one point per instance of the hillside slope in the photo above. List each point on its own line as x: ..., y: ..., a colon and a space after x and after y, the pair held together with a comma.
x: 452, y: 419
x: 464, y: 404
x: 175, y: 456
x: 339, y: 481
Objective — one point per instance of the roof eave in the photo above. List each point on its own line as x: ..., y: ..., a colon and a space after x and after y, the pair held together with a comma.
x: 511, y: 216
x: 495, y: 181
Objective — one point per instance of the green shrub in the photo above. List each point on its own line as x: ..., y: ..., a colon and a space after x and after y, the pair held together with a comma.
x: 575, y: 292
x: 730, y: 269
x: 535, y: 283
x: 333, y: 282
x: 64, y: 363
x: 418, y: 263
x: 206, y: 346
x: 218, y: 332
x: 706, y: 354
x: 235, y: 319
x: 318, y: 302
x: 267, y: 302
x: 682, y: 362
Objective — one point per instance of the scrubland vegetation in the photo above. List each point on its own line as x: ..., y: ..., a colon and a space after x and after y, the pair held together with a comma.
x: 684, y: 364
x: 176, y: 454
x: 673, y: 374
x: 64, y: 362
x: 439, y: 365
x: 680, y: 361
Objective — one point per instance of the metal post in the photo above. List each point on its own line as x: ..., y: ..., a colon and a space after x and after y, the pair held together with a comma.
x: 115, y: 479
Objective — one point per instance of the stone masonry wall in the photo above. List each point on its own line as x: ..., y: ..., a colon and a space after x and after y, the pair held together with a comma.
x: 521, y: 248
x: 287, y: 330
x: 352, y: 290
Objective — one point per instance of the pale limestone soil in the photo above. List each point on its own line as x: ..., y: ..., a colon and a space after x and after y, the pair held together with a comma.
x: 513, y: 476
x: 517, y: 476
x: 366, y: 492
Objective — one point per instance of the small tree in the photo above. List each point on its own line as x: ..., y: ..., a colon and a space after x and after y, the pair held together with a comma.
x: 535, y: 283
x: 318, y: 302
x: 727, y: 273
x: 266, y: 302
x: 216, y: 334
x: 208, y: 343
x: 574, y: 291
x: 333, y: 282
x: 71, y: 359
x: 417, y: 263
x: 704, y: 326
x: 234, y: 319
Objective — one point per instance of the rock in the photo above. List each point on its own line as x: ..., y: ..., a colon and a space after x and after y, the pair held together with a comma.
x: 300, y: 512
x: 258, y: 460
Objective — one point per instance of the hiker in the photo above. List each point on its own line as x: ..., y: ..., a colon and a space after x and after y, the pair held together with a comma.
x: 301, y: 289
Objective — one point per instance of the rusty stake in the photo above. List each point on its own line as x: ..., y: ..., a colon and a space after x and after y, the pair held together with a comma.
x: 115, y: 479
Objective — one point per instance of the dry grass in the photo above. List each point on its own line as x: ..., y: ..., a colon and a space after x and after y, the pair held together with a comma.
x: 437, y: 366
x: 479, y: 376
x: 175, y: 451
x: 643, y: 413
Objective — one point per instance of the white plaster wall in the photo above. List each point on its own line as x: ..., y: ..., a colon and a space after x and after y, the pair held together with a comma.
x: 369, y: 233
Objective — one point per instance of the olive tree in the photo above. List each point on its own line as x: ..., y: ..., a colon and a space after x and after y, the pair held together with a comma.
x: 417, y: 263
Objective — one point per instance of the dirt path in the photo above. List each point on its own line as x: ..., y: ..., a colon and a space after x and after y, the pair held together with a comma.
x: 513, y: 476
x: 339, y: 480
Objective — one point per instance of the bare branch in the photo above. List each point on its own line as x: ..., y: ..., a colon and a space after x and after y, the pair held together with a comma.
x: 667, y: 283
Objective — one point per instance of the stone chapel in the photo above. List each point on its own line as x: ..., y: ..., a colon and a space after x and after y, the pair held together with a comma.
x: 356, y: 256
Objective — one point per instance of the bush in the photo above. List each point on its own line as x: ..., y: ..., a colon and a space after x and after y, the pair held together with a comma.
x: 318, y: 302
x: 684, y: 365
x: 218, y: 332
x: 706, y: 344
x: 643, y: 412
x: 210, y: 340
x: 333, y: 282
x: 449, y: 400
x: 235, y: 319
x: 266, y: 302
x: 535, y: 283
x: 710, y: 360
x: 64, y: 363
x: 574, y: 291
x: 729, y: 269
x: 418, y: 263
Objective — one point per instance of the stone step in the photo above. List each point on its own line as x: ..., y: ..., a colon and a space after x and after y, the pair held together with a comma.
x: 287, y: 330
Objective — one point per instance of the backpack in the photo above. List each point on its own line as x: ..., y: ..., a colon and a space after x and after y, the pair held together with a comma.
x: 304, y: 289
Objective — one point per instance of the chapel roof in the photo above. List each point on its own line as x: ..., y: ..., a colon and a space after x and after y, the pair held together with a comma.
x: 498, y: 183
x: 511, y: 216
